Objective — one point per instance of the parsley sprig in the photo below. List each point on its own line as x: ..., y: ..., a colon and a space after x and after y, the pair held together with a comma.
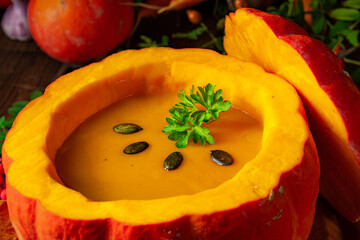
x: 186, y: 119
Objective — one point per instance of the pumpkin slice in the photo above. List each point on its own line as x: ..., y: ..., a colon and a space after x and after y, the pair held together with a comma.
x: 272, y: 196
x: 331, y: 99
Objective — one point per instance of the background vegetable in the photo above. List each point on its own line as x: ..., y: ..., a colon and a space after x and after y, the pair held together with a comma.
x: 70, y: 33
x: 194, y: 16
x: 14, y: 22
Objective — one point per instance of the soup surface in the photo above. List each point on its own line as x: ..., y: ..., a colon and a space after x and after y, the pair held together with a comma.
x: 91, y: 160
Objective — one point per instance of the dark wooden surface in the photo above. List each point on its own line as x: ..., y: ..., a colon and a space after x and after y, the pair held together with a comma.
x: 25, y: 68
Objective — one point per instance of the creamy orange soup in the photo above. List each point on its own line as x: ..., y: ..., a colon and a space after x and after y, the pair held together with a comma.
x: 92, y: 161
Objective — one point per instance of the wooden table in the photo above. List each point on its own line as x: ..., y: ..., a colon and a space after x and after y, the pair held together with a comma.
x: 25, y: 68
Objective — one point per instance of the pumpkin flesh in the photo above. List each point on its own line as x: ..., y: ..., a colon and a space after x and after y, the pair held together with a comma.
x: 91, y: 159
x: 275, y: 191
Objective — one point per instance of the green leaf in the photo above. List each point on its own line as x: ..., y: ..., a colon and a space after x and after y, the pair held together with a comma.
x: 20, y: 104
x: 192, y: 35
x: 186, y: 117
x: 299, y: 12
x: 352, y: 36
x: 176, y: 128
x: 209, y: 139
x: 195, y: 137
x: 208, y: 116
x: 14, y: 110
x: 2, y: 120
x: 220, y: 24
x: 183, y: 142
x: 148, y: 42
x: 176, y: 136
x: 352, y: 4
x: 221, y: 106
x: 199, y: 118
x: 204, y: 135
x: 338, y: 27
x: 203, y: 95
x: 209, y: 91
x: 197, y: 113
x: 284, y: 10
x: 164, y: 41
x: 315, y: 4
x: 299, y: 8
x: 2, y: 137
x: 273, y: 10
x: 218, y: 96
x: 198, y: 99
x: 215, y: 113
x: 35, y: 94
x: 9, y: 122
x: 345, y: 14
x: 187, y: 101
x: 225, y: 106
x: 318, y: 22
x: 171, y: 121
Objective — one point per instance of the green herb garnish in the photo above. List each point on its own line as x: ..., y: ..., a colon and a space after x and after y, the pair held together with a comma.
x: 186, y: 119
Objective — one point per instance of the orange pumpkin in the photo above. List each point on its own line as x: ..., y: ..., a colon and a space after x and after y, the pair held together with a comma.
x: 273, y: 196
x: 81, y: 30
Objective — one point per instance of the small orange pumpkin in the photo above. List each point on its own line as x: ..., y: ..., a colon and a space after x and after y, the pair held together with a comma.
x: 81, y: 30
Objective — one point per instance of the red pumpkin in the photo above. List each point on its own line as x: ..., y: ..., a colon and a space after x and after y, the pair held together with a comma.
x: 79, y: 30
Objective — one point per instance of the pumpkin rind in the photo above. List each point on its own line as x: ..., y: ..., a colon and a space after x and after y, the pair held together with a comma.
x: 330, y: 97
x: 272, y: 197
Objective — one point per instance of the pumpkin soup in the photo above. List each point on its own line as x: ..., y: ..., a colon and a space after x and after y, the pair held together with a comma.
x: 92, y: 161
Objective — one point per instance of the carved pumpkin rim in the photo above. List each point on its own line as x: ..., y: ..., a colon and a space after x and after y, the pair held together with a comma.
x: 277, y: 105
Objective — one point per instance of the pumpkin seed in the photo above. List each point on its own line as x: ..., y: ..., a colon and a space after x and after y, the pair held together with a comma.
x: 127, y: 128
x: 173, y: 161
x: 136, y: 147
x: 221, y: 157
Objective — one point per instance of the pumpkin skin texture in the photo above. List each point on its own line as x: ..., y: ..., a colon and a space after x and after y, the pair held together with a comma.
x: 81, y: 30
x: 272, y: 197
x: 331, y: 99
